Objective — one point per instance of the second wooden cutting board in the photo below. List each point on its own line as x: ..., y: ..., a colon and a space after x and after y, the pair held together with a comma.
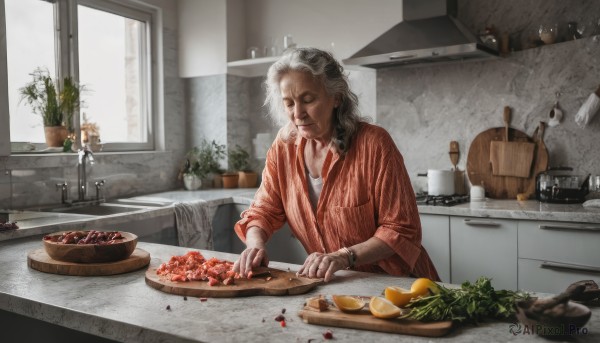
x: 479, y: 169
x: 364, y: 320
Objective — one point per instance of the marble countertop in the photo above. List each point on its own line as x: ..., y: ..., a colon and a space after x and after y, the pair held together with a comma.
x: 512, y: 209
x: 35, y: 223
x: 123, y: 308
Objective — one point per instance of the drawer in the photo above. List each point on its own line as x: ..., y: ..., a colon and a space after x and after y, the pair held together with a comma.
x: 548, y: 277
x: 575, y: 243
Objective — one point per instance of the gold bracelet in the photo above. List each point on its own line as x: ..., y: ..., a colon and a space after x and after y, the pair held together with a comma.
x: 351, y: 257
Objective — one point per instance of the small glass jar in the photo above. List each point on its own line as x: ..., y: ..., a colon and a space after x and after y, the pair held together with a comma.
x: 253, y: 52
x: 548, y: 33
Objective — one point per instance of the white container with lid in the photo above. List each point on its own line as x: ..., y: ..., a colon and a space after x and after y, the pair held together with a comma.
x: 440, y: 182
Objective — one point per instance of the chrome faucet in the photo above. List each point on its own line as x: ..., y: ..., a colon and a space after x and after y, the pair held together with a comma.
x: 84, y: 154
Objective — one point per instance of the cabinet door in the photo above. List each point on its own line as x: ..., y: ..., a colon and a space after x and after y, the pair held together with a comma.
x: 484, y: 247
x: 436, y: 240
x: 551, y: 277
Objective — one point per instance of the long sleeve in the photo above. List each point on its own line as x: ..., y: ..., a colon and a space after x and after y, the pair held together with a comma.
x: 266, y: 210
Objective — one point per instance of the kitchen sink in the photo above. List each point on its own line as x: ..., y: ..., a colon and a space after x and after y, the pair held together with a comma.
x: 103, y: 209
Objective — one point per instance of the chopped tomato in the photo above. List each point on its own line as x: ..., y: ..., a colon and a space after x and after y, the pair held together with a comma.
x: 194, y: 267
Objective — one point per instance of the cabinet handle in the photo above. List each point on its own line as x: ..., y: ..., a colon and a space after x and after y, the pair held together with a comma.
x: 569, y: 267
x: 472, y: 222
x: 570, y: 228
x: 401, y: 57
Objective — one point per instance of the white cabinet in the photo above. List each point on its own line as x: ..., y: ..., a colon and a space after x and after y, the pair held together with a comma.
x: 436, y: 240
x: 484, y: 247
x: 552, y: 255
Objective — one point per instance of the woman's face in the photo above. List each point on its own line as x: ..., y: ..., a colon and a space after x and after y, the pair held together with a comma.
x: 308, y: 104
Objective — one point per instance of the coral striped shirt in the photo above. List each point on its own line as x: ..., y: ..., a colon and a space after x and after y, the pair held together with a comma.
x: 365, y: 193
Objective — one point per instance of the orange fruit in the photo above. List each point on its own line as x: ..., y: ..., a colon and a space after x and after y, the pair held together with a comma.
x: 383, y: 308
x: 348, y: 303
x: 424, y: 287
x: 398, y: 296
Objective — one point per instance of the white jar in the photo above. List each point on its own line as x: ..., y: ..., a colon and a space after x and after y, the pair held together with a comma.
x: 477, y: 193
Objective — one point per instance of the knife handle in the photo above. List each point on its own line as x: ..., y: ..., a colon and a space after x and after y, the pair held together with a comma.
x: 506, y: 117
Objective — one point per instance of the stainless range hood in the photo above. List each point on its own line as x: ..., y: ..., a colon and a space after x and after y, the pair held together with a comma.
x: 429, y: 33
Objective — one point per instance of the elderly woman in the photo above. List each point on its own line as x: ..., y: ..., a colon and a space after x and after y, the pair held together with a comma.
x: 339, y: 182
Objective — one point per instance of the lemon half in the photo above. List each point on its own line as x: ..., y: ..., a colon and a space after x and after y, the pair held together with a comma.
x: 383, y: 308
x: 398, y: 296
x: 423, y: 287
x: 348, y: 303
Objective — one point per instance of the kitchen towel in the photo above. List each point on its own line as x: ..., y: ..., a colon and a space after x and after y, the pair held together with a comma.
x: 194, y: 224
x: 588, y: 110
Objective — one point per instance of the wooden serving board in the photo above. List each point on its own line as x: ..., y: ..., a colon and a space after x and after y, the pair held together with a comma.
x: 364, y: 320
x: 479, y: 168
x: 39, y: 260
x: 280, y: 283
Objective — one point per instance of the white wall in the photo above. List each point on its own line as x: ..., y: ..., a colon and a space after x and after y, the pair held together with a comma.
x: 202, y: 37
x: 347, y: 24
x: 213, y: 32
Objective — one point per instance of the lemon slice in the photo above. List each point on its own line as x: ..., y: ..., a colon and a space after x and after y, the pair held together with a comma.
x: 383, y: 308
x: 348, y: 303
x: 423, y: 287
x: 398, y: 296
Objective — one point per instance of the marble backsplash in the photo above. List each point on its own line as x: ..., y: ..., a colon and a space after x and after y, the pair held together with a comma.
x: 425, y: 108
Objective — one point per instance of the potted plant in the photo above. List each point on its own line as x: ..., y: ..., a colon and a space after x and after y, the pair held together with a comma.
x: 55, y: 104
x: 209, y: 155
x: 193, y: 172
x: 239, y: 161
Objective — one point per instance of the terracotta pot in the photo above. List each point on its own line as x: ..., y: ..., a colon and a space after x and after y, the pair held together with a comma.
x: 247, y: 179
x: 55, y: 136
x: 230, y: 180
x: 217, y: 180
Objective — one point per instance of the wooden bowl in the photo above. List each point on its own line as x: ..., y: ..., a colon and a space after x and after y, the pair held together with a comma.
x: 556, y: 327
x: 91, y: 253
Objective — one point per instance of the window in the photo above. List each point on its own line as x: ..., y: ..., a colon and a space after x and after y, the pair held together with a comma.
x: 108, y: 46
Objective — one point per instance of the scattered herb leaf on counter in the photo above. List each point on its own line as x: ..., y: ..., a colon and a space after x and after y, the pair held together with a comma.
x: 470, y: 303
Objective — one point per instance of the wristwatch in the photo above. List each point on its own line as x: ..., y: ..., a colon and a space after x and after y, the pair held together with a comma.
x: 351, y: 257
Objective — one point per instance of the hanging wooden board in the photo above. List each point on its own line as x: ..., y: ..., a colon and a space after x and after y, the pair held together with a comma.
x: 364, y: 320
x: 269, y: 282
x: 479, y: 168
x: 39, y: 260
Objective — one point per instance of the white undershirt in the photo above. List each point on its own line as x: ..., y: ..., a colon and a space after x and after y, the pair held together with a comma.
x: 315, y: 186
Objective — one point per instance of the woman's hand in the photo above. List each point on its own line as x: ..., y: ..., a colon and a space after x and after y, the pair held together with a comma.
x: 250, y: 259
x: 254, y: 255
x: 318, y: 265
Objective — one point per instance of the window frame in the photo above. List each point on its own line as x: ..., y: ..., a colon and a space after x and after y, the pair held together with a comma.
x: 67, y: 64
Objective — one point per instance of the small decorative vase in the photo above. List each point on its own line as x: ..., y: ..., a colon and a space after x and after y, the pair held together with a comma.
x: 230, y: 180
x: 55, y: 136
x: 247, y: 179
x: 191, y: 182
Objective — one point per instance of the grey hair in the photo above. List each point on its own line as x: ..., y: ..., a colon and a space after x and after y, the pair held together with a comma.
x: 323, y: 66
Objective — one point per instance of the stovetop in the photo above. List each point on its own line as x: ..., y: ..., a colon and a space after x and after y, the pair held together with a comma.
x: 441, y: 200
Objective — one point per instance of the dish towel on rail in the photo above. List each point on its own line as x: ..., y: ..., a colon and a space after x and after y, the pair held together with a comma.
x: 194, y: 224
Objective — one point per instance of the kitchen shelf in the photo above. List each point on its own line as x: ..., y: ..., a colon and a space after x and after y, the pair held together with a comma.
x: 251, y: 67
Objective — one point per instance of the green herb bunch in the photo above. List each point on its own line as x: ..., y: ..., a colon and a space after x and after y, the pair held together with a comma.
x: 470, y: 303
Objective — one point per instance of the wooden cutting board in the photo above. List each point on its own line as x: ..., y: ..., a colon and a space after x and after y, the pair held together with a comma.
x: 280, y: 283
x: 39, y: 260
x: 479, y: 168
x: 364, y: 320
